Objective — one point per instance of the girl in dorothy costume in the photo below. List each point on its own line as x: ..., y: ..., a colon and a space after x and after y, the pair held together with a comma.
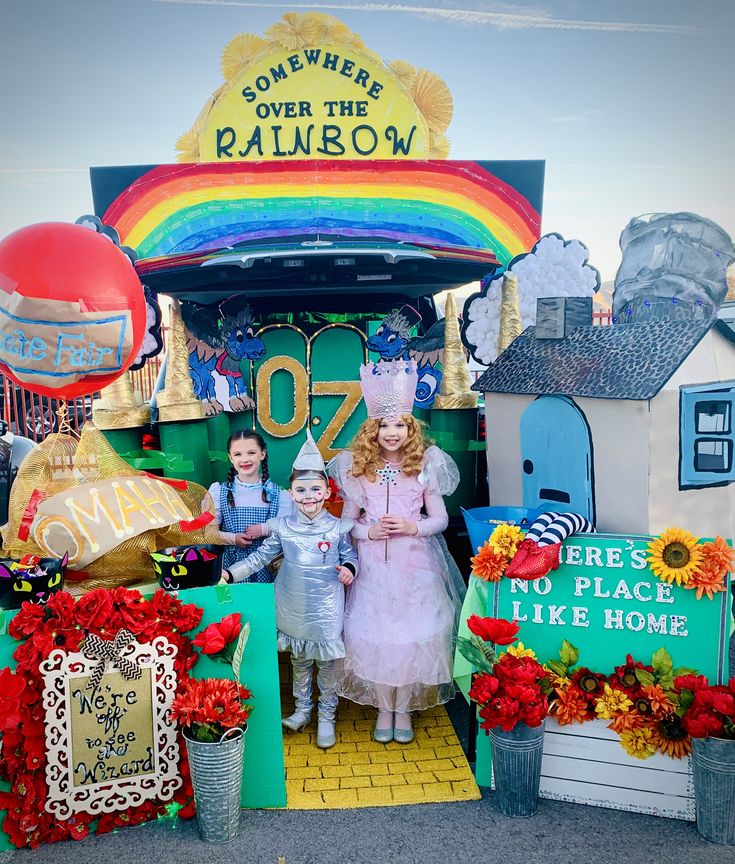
x: 401, y: 614
x: 318, y: 562
x: 245, y: 502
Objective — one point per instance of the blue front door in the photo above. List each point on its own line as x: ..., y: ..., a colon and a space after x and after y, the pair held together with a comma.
x: 556, y: 457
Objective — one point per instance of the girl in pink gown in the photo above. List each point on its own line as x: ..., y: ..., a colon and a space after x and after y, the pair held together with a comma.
x: 401, y: 612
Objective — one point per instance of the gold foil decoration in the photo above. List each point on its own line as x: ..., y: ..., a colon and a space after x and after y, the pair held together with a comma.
x: 63, y: 462
x: 120, y: 407
x: 455, y: 387
x: 177, y: 400
x: 510, y: 312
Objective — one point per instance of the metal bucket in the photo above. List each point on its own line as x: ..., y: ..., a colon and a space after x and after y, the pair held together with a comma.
x: 713, y: 760
x: 216, y: 775
x: 517, y: 768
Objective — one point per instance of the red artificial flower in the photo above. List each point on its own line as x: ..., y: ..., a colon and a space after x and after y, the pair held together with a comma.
x: 26, y: 619
x: 11, y: 687
x: 484, y: 687
x: 216, y: 637
x: 94, y: 610
x: 495, y: 630
x: 702, y: 724
x: 691, y: 682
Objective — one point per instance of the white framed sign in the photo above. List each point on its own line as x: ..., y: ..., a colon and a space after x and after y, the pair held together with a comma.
x: 111, y: 746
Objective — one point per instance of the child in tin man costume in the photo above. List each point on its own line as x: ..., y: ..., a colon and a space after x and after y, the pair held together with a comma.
x: 318, y: 561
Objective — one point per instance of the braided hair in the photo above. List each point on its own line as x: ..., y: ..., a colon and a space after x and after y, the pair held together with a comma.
x: 247, y: 435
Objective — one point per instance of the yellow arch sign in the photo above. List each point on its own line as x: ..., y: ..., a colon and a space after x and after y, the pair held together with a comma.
x: 311, y: 89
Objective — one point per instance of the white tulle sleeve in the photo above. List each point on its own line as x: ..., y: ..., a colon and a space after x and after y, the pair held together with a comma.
x: 340, y: 470
x: 439, y: 472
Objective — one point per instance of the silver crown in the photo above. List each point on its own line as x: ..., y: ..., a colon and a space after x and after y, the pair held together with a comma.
x: 389, y: 388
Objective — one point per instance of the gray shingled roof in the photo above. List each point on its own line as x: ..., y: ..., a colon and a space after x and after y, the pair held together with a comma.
x: 623, y: 361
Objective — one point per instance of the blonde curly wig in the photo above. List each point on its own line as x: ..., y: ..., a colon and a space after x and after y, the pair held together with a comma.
x: 366, y: 458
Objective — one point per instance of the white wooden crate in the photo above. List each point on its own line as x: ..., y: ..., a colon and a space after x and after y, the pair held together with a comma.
x: 585, y: 764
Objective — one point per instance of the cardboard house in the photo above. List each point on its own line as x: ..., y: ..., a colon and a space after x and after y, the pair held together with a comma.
x: 630, y: 424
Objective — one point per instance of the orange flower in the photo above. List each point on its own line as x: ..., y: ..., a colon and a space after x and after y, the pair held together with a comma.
x: 625, y: 722
x: 719, y: 556
x: 660, y: 702
x: 571, y: 706
x: 488, y: 564
x: 706, y: 581
x: 717, y: 560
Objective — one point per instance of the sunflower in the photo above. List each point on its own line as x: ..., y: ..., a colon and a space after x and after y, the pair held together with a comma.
x: 520, y: 650
x: 638, y: 742
x: 571, y: 706
x: 488, y: 564
x: 505, y: 539
x: 674, y: 556
x: 611, y: 703
x: 670, y: 737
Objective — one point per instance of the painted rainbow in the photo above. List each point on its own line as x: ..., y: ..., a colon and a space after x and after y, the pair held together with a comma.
x: 177, y: 210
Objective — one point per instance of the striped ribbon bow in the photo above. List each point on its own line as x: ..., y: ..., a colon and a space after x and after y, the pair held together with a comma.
x: 106, y: 651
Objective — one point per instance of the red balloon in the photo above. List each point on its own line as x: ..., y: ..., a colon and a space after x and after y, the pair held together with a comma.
x: 72, y: 310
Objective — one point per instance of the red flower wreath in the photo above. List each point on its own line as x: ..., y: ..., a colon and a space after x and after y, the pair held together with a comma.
x: 63, y: 623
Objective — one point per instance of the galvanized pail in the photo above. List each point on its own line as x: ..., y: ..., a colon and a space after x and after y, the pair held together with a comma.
x: 216, y: 775
x: 517, y: 768
x: 713, y: 760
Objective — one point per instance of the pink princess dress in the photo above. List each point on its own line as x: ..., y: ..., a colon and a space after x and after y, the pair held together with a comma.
x: 400, y: 613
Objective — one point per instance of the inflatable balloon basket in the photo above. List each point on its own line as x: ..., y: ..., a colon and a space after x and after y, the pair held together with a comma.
x: 216, y: 775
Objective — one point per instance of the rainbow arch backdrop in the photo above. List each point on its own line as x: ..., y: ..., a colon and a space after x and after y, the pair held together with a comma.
x: 174, y: 210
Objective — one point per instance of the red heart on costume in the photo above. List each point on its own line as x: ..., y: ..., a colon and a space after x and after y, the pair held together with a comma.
x: 324, y: 546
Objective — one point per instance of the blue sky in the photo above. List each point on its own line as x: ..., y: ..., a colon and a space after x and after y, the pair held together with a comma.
x: 629, y: 103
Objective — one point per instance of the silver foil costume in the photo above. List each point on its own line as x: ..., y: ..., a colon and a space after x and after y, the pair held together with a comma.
x: 309, y: 598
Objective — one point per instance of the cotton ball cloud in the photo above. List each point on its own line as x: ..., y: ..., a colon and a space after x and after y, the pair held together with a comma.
x: 555, y: 267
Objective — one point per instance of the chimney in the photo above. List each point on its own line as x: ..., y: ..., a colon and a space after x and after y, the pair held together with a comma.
x: 556, y: 317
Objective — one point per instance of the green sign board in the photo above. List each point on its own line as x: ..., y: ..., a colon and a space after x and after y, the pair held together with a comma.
x: 605, y: 600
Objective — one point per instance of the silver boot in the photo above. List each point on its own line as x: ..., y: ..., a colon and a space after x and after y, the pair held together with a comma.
x: 327, y: 682
x: 302, y: 686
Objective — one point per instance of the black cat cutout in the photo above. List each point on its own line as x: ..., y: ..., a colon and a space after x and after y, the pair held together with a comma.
x: 32, y: 581
x: 183, y: 567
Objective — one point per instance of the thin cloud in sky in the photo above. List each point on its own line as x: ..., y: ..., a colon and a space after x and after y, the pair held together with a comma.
x: 501, y: 20
x: 579, y: 117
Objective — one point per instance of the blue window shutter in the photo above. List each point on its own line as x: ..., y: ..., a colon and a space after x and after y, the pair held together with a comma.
x: 706, y: 437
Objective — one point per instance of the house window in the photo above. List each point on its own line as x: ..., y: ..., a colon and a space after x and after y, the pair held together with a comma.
x: 707, y: 439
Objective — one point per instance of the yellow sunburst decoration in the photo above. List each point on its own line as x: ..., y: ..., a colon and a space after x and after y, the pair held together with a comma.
x: 439, y: 146
x: 187, y: 147
x: 239, y: 52
x: 405, y: 72
x: 321, y: 27
x: 307, y: 79
x: 433, y: 100
x: 674, y: 556
x: 292, y: 33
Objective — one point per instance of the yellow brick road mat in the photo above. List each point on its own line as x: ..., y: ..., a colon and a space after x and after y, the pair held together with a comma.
x: 359, y: 772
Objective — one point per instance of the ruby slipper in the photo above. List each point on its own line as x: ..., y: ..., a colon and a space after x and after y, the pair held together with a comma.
x: 532, y: 561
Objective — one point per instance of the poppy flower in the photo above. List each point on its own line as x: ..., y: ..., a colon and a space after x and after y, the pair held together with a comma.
x: 499, y: 631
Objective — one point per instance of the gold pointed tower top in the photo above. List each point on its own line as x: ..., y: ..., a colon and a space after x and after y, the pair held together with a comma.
x: 455, y: 387
x: 177, y: 400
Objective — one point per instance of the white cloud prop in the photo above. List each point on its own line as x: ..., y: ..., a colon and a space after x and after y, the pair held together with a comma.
x: 553, y: 268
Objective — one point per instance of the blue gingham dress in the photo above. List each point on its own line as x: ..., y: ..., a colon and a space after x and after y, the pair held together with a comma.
x: 239, y: 519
